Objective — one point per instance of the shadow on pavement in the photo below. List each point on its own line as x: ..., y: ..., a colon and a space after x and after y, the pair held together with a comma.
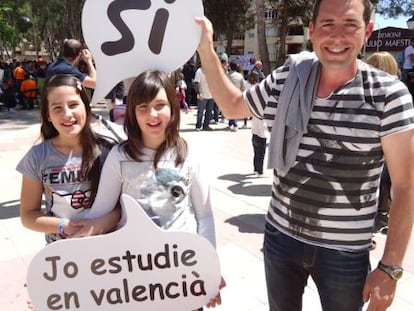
x: 245, y: 186
x: 248, y: 223
x: 19, y: 119
x: 9, y: 209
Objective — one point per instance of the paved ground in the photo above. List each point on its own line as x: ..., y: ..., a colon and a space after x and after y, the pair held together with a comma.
x: 240, y: 200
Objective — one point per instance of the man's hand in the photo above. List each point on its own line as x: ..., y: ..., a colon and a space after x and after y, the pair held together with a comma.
x: 86, y: 55
x: 379, y: 289
x: 206, y: 41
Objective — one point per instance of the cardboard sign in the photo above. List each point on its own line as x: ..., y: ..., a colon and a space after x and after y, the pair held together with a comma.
x: 139, y: 267
x: 127, y: 37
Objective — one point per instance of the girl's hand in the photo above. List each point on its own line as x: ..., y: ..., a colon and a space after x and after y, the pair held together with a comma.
x: 217, y: 300
x: 84, y: 227
x: 89, y: 227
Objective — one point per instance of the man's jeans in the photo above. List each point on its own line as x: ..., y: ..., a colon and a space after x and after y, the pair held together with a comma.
x: 338, y: 275
x: 204, y: 107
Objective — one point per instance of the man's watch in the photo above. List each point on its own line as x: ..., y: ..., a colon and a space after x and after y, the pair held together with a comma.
x: 394, y: 272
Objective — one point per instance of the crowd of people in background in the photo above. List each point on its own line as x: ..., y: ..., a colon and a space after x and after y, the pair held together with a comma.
x: 21, y: 83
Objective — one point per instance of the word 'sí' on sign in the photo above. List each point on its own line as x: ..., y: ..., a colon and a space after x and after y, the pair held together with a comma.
x: 127, y: 37
x: 138, y: 267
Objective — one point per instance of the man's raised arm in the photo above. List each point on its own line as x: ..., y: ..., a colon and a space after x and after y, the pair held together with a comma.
x: 225, y: 94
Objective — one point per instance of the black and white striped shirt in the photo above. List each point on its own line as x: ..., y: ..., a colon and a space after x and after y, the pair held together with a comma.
x: 329, y: 196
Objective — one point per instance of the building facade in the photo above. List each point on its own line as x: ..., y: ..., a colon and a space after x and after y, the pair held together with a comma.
x: 247, y: 45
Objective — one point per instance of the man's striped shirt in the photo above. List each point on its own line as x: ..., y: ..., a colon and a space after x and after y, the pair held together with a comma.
x: 329, y: 196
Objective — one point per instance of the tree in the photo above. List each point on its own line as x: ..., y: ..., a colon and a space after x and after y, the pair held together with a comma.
x: 61, y: 20
x: 288, y: 11
x: 261, y: 36
x: 229, y: 17
x: 395, y: 8
x: 13, y: 22
x: 48, y: 21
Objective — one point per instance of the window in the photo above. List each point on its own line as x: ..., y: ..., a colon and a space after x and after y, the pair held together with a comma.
x: 239, y: 36
x: 295, y: 31
x: 270, y: 14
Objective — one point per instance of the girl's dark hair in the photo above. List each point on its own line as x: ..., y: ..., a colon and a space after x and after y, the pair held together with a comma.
x: 366, y: 14
x: 143, y: 90
x: 94, y: 146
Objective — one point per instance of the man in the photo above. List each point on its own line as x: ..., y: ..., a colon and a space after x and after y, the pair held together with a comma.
x: 408, y: 65
x: 205, y: 102
x: 19, y: 74
x: 189, y: 73
x: 237, y: 79
x: 68, y: 64
x: 408, y: 59
x: 324, y: 201
x: 258, y: 69
x: 29, y: 90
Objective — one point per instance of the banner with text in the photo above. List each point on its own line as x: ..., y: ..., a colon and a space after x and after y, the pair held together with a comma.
x: 138, y: 267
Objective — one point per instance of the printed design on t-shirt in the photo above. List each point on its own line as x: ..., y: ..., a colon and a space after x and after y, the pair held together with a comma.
x: 67, y: 193
x: 162, y: 192
x: 76, y: 200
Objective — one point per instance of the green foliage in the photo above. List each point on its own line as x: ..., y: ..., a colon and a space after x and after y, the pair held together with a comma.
x: 229, y: 17
x: 50, y: 21
x: 9, y: 33
x: 395, y: 8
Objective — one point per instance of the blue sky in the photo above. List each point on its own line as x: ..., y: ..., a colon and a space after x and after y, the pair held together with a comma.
x: 381, y: 22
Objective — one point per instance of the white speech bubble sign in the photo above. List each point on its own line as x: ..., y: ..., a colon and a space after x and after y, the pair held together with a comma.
x: 138, y: 267
x: 156, y: 35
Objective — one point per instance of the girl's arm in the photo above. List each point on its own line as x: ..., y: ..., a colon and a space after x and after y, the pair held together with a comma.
x: 31, y: 215
x: 95, y: 226
x: 201, y: 202
x: 105, y: 212
x: 109, y: 189
x: 200, y: 198
x: 33, y: 218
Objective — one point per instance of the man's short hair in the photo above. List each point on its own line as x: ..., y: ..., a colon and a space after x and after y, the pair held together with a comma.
x: 366, y: 14
x: 71, y: 48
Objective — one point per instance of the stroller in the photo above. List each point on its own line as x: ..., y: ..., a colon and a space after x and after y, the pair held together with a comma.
x: 117, y: 114
x: 114, y: 127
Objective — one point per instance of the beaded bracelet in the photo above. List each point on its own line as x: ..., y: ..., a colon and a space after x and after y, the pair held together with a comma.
x: 61, y: 226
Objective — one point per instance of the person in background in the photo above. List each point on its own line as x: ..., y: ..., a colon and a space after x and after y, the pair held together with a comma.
x: 408, y: 60
x: 327, y: 148
x: 19, y: 74
x: 181, y: 89
x: 408, y: 67
x: 385, y: 62
x: 8, y: 87
x: 40, y: 74
x: 65, y: 166
x: 116, y: 95
x: 237, y: 79
x: 189, y: 71
x: 73, y: 53
x: 29, y: 90
x: 205, y: 101
x: 258, y: 132
x: 258, y: 69
x: 154, y: 164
